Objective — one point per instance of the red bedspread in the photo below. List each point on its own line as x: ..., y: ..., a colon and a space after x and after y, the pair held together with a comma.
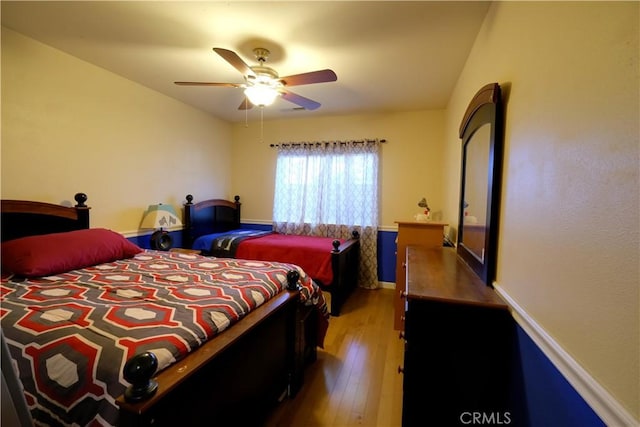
x: 311, y: 253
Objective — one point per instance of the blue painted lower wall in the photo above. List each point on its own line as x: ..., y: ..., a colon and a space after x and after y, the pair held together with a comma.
x: 387, y: 256
x: 262, y: 227
x: 144, y: 241
x: 547, y: 398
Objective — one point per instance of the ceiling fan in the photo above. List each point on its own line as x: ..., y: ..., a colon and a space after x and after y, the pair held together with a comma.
x: 263, y: 85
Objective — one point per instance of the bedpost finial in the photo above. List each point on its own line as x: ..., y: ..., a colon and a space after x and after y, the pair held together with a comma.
x: 80, y: 198
x: 336, y: 245
x: 236, y: 198
x: 292, y: 280
x: 139, y: 371
x: 189, y: 199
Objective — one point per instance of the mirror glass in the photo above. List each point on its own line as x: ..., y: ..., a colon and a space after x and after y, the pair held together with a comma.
x: 476, y: 181
x: 481, y: 134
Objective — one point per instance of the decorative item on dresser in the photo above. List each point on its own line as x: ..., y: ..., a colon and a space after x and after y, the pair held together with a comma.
x: 213, y: 226
x: 460, y: 359
x: 423, y: 233
x: 91, y: 302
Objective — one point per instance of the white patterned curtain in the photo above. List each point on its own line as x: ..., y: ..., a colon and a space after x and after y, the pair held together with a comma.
x: 331, y: 189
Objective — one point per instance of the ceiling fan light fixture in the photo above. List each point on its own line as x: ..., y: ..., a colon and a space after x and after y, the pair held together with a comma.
x: 263, y: 85
x: 261, y: 95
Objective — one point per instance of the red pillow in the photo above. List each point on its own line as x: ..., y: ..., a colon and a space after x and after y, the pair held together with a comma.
x: 55, y: 253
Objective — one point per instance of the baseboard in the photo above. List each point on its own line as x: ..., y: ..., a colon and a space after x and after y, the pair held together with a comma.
x: 387, y: 285
x: 256, y: 221
x: 599, y: 399
x: 138, y: 233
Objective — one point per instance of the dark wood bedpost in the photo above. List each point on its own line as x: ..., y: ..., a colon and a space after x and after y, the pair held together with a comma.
x: 187, y: 231
x: 345, y: 261
x: 82, y: 209
x: 236, y: 199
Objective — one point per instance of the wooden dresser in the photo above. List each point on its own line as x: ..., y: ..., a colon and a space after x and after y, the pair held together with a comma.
x: 420, y: 233
x: 459, y: 346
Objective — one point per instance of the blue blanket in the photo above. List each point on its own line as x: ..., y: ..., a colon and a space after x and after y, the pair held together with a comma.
x: 224, y: 245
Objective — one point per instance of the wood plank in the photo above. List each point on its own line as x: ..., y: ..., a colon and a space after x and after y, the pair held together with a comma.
x: 355, y: 381
x: 440, y: 275
x: 41, y: 208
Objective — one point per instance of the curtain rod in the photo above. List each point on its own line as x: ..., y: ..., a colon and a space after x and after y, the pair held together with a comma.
x: 318, y: 143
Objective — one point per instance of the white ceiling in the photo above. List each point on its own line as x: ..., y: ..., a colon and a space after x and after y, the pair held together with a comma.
x: 388, y: 55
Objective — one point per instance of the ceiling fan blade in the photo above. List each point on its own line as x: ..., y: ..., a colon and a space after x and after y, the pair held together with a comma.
x: 246, y: 104
x: 307, y: 103
x: 320, y: 76
x: 208, y: 84
x: 232, y: 58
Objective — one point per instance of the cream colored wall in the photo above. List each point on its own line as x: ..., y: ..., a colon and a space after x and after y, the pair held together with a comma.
x: 569, y: 228
x: 410, y: 165
x: 568, y: 247
x: 69, y: 126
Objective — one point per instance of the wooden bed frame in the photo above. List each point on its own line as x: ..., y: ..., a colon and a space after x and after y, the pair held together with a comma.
x: 218, y: 215
x: 258, y: 360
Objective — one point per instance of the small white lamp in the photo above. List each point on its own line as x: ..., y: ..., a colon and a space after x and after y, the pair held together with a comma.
x: 159, y: 217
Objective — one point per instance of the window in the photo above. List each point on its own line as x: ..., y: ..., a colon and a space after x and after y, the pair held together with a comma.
x: 330, y: 189
x: 334, y: 183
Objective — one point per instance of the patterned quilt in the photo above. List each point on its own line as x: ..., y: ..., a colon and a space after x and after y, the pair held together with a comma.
x: 70, y: 335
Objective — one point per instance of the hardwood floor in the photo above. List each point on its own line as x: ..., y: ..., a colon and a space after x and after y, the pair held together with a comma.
x: 355, y: 380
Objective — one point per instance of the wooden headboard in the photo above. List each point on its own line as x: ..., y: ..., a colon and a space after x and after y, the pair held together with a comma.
x: 209, y: 216
x: 21, y: 218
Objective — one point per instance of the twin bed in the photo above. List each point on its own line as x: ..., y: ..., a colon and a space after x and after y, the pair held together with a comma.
x: 84, y: 310
x: 213, y: 227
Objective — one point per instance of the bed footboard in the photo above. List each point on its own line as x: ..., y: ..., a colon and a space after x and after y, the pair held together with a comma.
x: 233, y: 379
x: 345, y: 261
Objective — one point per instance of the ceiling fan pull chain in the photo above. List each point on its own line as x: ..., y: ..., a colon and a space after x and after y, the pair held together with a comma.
x: 261, y: 124
x: 246, y: 113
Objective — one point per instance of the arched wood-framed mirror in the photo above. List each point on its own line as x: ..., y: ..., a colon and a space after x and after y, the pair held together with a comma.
x: 481, y: 134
